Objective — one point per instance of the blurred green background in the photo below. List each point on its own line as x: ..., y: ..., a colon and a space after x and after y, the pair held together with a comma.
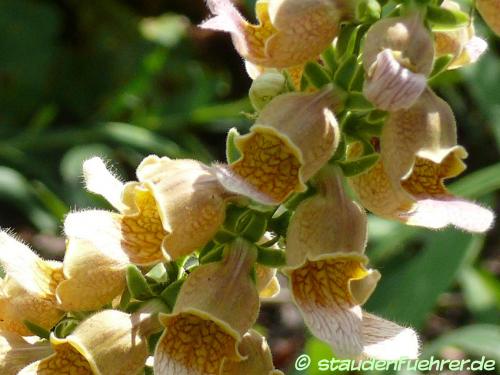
x: 123, y: 79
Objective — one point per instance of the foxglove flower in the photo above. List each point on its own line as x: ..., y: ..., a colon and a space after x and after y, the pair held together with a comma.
x: 419, y: 151
x: 107, y: 343
x: 215, y: 308
x: 289, y: 33
x: 293, y: 137
x: 174, y: 208
x: 329, y: 281
x: 398, y: 56
x: 28, y: 290
x: 461, y: 43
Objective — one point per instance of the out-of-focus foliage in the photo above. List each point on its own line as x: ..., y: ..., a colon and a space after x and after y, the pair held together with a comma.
x: 123, y: 79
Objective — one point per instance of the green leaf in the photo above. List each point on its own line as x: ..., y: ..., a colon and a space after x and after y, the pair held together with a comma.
x: 478, y: 339
x: 137, y: 284
x: 170, y: 293
x: 37, y: 330
x: 66, y: 327
x: 356, y: 101
x: 345, y: 73
x: 446, y: 19
x: 481, y: 291
x: 328, y: 57
x: 232, y: 152
x: 271, y: 257
x: 316, y: 75
x: 424, y: 277
x: 357, y: 166
x: 158, y: 273
x: 343, y: 40
x: 440, y: 65
x: 478, y: 183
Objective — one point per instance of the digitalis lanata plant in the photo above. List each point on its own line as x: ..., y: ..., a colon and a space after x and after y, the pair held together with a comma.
x: 170, y: 282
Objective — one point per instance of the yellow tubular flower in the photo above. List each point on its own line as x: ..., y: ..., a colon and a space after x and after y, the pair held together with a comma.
x: 462, y: 43
x: 191, y: 202
x: 490, y: 11
x: 16, y: 352
x: 259, y: 360
x: 27, y: 292
x: 107, y: 343
x: 216, y: 306
x: 398, y: 56
x: 289, y: 33
x: 418, y: 152
x: 294, y: 136
x: 174, y: 208
x: 329, y: 282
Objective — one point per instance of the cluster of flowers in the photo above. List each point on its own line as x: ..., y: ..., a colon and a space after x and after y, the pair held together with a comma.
x: 171, y: 282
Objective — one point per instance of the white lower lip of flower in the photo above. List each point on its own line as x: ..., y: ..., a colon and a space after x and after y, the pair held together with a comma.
x: 391, y: 86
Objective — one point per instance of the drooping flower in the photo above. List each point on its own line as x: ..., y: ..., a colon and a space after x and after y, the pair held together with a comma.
x: 419, y: 150
x: 28, y: 291
x: 461, y: 43
x: 398, y: 56
x: 258, y: 358
x: 215, y: 308
x: 16, y: 352
x: 489, y: 10
x: 289, y: 33
x: 329, y: 281
x: 174, y: 208
x: 293, y: 137
x: 107, y: 343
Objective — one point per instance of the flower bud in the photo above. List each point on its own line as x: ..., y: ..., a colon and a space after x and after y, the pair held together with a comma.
x: 398, y: 56
x: 490, y: 11
x: 294, y: 136
x: 289, y: 33
x: 265, y: 87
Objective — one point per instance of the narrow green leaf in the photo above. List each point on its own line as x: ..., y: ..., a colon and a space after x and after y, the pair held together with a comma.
x: 446, y: 19
x: 424, y: 278
x: 343, y: 40
x: 137, y: 284
x: 328, y: 57
x: 254, y: 227
x: 271, y: 257
x: 440, y: 65
x: 478, y: 339
x: 316, y: 75
x: 232, y: 152
x: 37, y: 330
x: 345, y: 73
x: 169, y: 295
x: 356, y: 101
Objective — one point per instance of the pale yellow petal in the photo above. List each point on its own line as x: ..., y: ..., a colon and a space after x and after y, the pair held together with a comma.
x: 100, y: 180
x: 92, y: 278
x: 258, y: 358
x: 266, y: 281
x: 327, y: 223
x: 190, y: 201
